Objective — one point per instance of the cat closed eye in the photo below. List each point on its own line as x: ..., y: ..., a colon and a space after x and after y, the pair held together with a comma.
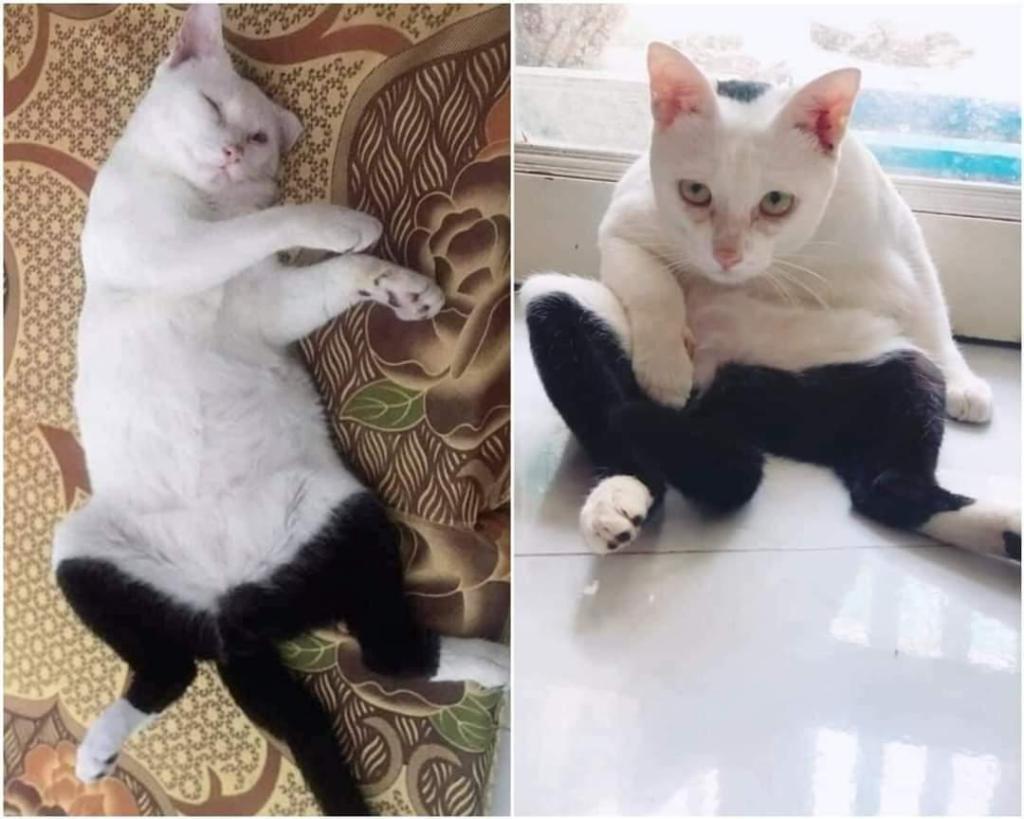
x: 696, y: 193
x: 777, y: 203
x: 213, y: 105
x: 259, y: 137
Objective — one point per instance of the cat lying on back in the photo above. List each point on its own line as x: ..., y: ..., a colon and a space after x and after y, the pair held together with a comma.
x: 222, y: 520
x: 762, y: 236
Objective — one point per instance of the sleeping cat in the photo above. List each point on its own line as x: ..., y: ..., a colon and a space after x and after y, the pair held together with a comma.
x: 759, y: 254
x: 221, y: 519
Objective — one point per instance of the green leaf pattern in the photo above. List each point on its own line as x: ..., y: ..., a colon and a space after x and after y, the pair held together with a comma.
x: 310, y: 652
x: 385, y: 405
x: 472, y: 723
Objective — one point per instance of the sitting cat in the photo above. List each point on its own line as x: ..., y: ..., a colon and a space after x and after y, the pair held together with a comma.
x: 760, y: 233
x: 222, y: 520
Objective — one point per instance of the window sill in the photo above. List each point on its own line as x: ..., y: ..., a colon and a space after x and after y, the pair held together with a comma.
x: 982, y: 200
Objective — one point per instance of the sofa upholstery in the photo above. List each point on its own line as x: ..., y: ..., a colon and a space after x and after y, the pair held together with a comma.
x: 406, y: 114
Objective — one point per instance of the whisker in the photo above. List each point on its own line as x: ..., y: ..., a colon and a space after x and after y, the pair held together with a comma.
x: 805, y: 287
x: 802, y: 269
x: 773, y: 280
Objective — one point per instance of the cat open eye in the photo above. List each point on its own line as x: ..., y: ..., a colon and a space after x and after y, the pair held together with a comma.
x: 259, y: 137
x: 696, y: 193
x: 777, y: 203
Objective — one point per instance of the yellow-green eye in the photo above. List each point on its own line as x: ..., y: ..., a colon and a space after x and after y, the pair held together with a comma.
x: 777, y: 203
x: 695, y: 193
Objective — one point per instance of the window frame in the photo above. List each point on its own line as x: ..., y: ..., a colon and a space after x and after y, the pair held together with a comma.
x: 924, y: 194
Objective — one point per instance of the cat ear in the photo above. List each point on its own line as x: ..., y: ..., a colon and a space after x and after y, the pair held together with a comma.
x: 200, y: 34
x: 822, y: 107
x: 677, y: 85
x: 291, y: 128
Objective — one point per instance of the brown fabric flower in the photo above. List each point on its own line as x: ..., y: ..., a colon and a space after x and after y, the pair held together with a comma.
x: 459, y: 359
x: 48, y: 787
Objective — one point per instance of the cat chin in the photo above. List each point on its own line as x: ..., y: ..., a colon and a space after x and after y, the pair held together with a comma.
x: 730, y: 279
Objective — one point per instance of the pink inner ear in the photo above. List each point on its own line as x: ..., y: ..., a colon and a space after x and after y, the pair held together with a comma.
x: 670, y: 99
x: 823, y: 114
x: 665, y: 110
x: 822, y: 122
x: 199, y: 35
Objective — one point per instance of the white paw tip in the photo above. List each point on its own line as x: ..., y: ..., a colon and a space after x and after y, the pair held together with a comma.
x: 613, y: 513
x: 970, y: 402
x: 90, y: 767
x: 481, y: 661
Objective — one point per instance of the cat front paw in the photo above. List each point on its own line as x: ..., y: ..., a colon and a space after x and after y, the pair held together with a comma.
x: 968, y: 399
x: 613, y: 513
x: 413, y: 297
x: 96, y: 756
x: 338, y: 229
x: 665, y: 379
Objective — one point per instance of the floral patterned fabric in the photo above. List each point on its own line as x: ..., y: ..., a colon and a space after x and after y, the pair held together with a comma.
x: 406, y: 115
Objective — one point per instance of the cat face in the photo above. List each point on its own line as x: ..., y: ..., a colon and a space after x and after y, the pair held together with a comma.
x: 214, y: 128
x: 739, y: 183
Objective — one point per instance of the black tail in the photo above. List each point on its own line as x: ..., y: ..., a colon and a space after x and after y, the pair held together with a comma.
x: 278, y: 702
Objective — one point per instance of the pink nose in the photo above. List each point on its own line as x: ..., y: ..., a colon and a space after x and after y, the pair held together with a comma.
x: 232, y: 154
x: 727, y: 257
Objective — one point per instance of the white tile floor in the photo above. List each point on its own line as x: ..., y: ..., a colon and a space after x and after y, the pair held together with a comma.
x: 793, y: 659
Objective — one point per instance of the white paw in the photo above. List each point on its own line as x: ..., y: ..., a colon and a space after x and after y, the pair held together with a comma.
x: 613, y: 513
x: 968, y: 398
x: 96, y: 755
x: 332, y: 227
x: 480, y: 661
x: 667, y: 379
x: 413, y: 297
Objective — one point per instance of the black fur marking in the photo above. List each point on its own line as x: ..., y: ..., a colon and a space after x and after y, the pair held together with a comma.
x: 351, y: 570
x: 878, y: 424
x: 159, y: 638
x: 1011, y: 540
x: 277, y: 702
x: 741, y: 90
x: 587, y: 376
x: 710, y: 466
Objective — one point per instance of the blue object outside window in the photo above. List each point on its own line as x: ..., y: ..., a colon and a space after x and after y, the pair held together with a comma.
x: 941, y: 136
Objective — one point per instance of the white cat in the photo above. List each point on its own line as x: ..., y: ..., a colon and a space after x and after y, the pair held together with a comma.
x: 218, y: 501
x: 753, y: 204
x: 756, y: 231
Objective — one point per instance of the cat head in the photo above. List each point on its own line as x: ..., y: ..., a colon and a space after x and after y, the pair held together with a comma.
x: 742, y: 175
x: 210, y: 125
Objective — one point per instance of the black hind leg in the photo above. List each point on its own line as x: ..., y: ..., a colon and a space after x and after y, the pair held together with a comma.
x: 709, y: 463
x: 158, y: 638
x: 371, y: 591
x: 588, y: 377
x: 279, y: 703
x: 889, y: 468
x: 350, y: 570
